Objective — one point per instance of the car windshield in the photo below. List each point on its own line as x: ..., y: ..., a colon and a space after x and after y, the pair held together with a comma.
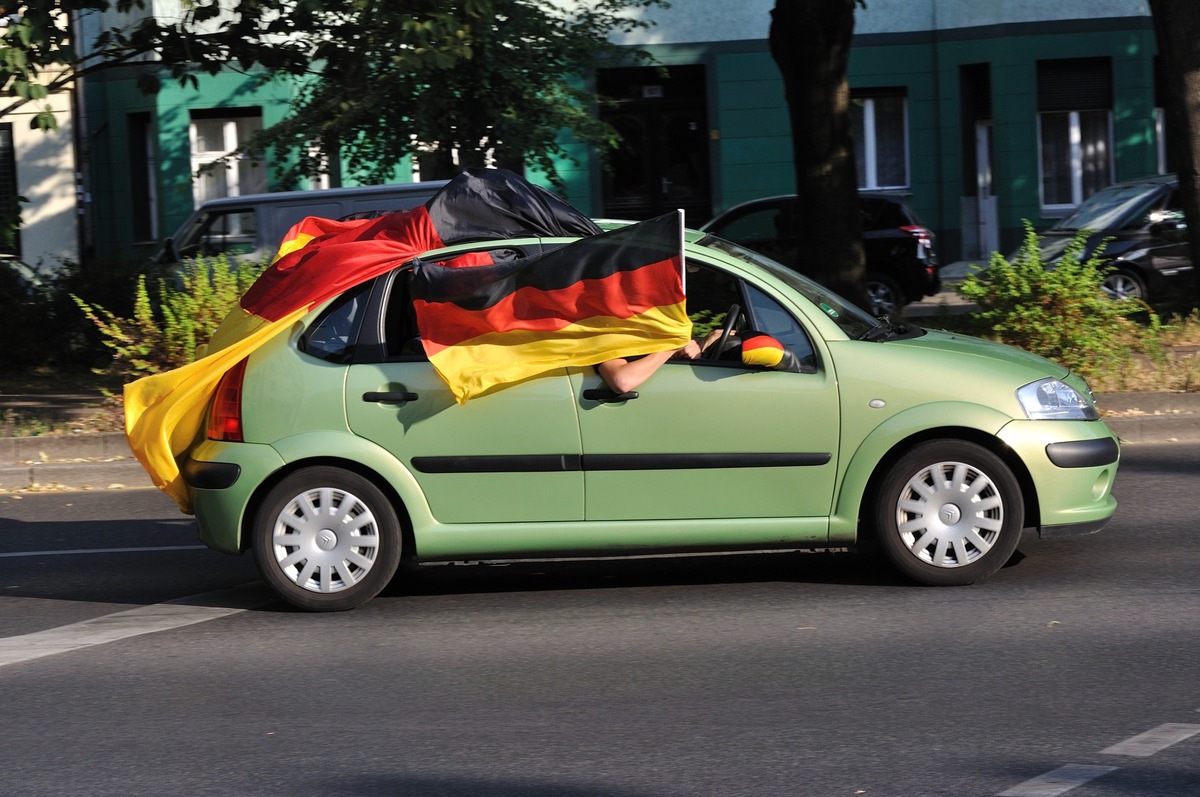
x: 855, y: 322
x: 1110, y: 209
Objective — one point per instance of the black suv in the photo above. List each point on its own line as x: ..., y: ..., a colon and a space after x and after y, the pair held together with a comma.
x: 1140, y: 223
x: 902, y: 265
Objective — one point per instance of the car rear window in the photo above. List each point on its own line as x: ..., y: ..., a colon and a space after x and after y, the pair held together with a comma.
x: 884, y: 214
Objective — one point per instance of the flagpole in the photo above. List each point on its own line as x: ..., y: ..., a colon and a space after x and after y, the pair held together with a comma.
x: 682, y: 255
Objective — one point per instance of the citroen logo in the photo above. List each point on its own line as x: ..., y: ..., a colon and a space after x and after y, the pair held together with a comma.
x: 950, y: 514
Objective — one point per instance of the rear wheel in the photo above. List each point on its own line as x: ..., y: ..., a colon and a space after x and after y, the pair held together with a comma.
x: 949, y: 513
x: 326, y: 539
x: 885, y: 295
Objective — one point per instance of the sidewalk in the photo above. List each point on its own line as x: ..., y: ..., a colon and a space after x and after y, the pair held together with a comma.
x: 104, y: 462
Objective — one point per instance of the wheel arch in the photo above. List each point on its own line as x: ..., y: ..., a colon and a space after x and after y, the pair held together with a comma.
x: 851, y: 522
x: 370, y: 474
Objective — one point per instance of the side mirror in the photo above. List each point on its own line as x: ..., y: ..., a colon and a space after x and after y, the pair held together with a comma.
x: 168, y: 253
x: 763, y: 351
x: 1172, y: 229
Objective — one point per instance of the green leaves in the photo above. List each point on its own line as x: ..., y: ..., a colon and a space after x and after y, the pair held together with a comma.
x: 1057, y: 310
x: 474, y: 81
x: 168, y: 324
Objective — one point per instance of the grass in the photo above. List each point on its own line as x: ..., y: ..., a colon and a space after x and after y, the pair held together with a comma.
x: 30, y: 407
x: 1166, y: 359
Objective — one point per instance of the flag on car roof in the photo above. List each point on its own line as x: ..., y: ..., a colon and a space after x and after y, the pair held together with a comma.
x: 317, y: 260
x: 619, y: 294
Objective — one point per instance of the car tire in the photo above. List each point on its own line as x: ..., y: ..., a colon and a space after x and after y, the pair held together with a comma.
x: 885, y: 295
x: 949, y: 513
x: 326, y: 539
x: 1124, y: 283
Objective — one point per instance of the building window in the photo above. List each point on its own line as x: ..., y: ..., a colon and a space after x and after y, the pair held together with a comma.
x: 9, y: 192
x: 880, y: 127
x: 143, y: 199
x: 214, y: 134
x: 1074, y: 130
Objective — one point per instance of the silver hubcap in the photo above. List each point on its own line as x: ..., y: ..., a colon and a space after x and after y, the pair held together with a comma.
x: 325, y: 540
x: 949, y: 514
x: 1121, y: 287
x: 882, y: 300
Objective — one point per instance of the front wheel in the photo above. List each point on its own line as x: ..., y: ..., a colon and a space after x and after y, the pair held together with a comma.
x: 1123, y: 284
x: 326, y: 539
x: 949, y: 513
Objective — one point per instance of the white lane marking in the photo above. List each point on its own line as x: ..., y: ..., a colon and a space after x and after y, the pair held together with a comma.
x: 72, y: 551
x: 1153, y: 740
x: 1058, y: 781
x: 133, y: 622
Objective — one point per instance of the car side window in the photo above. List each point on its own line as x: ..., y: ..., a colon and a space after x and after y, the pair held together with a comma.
x: 401, y: 338
x: 770, y: 318
x: 333, y: 335
x: 756, y: 225
x: 231, y: 232
x: 401, y: 335
x: 712, y: 293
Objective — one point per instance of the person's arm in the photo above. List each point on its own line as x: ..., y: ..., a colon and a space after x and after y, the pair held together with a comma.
x: 625, y: 375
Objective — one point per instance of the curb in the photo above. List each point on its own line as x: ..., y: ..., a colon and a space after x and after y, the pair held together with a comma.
x: 78, y: 462
x: 104, y: 461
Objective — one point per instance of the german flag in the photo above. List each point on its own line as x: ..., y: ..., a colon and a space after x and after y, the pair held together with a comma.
x: 317, y: 260
x: 619, y: 294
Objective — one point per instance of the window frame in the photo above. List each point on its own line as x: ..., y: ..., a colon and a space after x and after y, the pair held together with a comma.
x: 10, y: 189
x: 237, y: 125
x: 868, y: 148
x: 1075, y: 149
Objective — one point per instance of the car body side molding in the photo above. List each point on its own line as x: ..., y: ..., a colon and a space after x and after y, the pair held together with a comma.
x: 543, y: 463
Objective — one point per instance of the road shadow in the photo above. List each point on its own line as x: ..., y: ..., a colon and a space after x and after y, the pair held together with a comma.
x: 648, y: 571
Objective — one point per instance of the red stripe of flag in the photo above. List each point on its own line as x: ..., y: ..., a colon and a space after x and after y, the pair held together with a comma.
x: 334, y: 262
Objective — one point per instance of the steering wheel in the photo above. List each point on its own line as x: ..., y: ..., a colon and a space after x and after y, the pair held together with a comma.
x: 714, y: 351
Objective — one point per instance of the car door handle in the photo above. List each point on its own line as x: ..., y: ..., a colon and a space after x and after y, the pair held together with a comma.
x: 389, y: 396
x: 606, y: 396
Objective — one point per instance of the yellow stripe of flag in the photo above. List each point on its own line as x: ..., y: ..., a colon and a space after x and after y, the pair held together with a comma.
x: 165, y: 412
x: 475, y: 366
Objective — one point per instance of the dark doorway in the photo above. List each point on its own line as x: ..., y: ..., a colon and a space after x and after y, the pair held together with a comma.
x: 662, y: 161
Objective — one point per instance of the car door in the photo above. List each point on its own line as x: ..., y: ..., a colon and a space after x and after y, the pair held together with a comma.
x: 714, y: 439
x: 512, y: 456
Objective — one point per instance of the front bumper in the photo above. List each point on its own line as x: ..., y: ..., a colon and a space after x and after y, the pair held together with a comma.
x: 1072, y: 466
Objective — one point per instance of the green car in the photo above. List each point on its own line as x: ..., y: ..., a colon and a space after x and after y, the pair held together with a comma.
x: 352, y: 454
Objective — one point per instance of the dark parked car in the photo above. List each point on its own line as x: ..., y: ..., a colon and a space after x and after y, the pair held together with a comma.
x: 902, y: 265
x: 1140, y: 223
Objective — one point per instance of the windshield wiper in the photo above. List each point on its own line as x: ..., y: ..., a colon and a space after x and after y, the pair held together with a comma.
x: 884, y: 329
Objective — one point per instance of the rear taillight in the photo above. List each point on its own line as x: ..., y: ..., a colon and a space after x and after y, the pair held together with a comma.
x: 923, y: 236
x: 225, y: 415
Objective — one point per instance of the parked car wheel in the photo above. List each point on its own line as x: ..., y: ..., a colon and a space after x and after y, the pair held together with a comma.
x: 326, y: 539
x: 885, y: 295
x: 1124, y: 284
x: 949, y: 513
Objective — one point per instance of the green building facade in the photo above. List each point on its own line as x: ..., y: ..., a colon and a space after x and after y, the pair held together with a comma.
x: 982, y: 124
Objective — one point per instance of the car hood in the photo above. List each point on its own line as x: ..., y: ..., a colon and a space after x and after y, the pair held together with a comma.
x: 955, y: 344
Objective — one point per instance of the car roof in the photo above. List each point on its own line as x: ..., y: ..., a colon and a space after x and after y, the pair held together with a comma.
x: 271, y: 197
x: 778, y: 199
x: 1153, y: 179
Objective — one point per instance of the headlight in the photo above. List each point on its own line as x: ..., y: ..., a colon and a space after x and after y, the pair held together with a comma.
x: 1054, y: 400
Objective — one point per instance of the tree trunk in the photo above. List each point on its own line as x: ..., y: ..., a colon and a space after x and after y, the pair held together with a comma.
x: 810, y: 42
x: 1177, y: 26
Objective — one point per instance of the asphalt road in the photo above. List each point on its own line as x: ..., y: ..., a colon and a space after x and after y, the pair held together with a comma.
x: 1072, y: 671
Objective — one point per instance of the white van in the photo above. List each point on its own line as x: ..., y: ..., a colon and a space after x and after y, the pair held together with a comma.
x: 250, y: 227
